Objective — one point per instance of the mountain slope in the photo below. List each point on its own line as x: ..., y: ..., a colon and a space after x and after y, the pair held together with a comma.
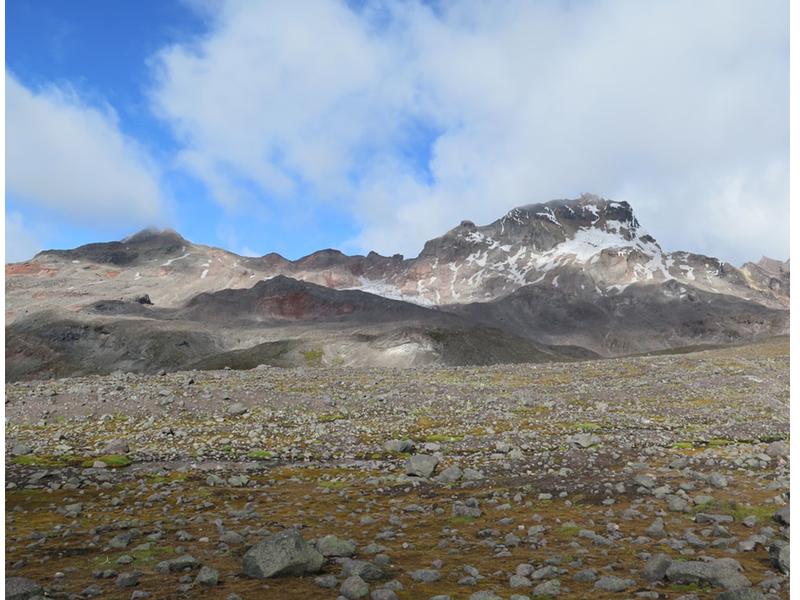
x: 554, y: 281
x: 532, y: 244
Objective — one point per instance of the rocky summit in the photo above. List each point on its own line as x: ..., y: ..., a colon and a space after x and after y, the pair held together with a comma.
x: 562, y: 280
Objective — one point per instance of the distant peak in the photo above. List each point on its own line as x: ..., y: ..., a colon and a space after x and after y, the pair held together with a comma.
x: 153, y: 233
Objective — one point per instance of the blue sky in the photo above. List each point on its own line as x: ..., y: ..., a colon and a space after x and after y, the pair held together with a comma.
x: 265, y: 127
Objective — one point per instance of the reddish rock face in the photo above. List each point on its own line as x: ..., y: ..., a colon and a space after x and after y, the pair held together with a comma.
x: 300, y: 305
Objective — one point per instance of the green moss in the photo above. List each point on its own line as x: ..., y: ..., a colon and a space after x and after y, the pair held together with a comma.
x: 330, y: 417
x: 567, y: 530
x: 588, y: 427
x: 313, y: 357
x: 259, y: 454
x: 333, y: 485
x: 31, y: 460
x: 462, y: 520
x: 113, y: 461
x: 683, y: 445
x: 717, y: 442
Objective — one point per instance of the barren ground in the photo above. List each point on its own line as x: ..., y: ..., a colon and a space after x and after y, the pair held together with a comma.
x: 571, y: 465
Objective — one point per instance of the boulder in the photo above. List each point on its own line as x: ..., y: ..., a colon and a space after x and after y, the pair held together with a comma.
x: 718, y: 573
x: 21, y: 588
x: 421, y: 465
x: 285, y: 553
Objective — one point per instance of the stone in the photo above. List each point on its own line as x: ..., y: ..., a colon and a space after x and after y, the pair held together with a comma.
x: 584, y: 440
x: 383, y: 594
x: 330, y: 545
x: 717, y: 573
x: 207, y: 576
x: 116, y: 446
x: 585, y: 576
x: 656, y: 567
x: 421, y: 465
x: 21, y: 588
x: 354, y: 588
x: 718, y: 480
x: 399, y: 446
x: 779, y: 556
x: 175, y: 565
x: 610, y: 583
x: 645, y: 481
x: 741, y: 594
x: 285, y: 553
x: 519, y: 581
x: 364, y: 569
x: 20, y: 450
x: 236, y: 409
x: 484, y: 595
x: 468, y: 508
x: 782, y: 516
x: 778, y: 449
x: 451, y: 474
x: 128, y: 579
x: 326, y: 581
x: 425, y: 575
x: 548, y: 588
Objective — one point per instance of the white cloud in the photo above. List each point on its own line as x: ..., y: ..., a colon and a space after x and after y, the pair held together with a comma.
x: 680, y: 108
x: 21, y: 241
x: 72, y: 159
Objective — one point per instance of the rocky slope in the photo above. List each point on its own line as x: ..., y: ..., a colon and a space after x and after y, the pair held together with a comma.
x: 564, y: 279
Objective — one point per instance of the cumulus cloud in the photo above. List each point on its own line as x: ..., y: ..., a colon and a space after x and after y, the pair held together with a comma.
x: 418, y: 116
x: 72, y: 159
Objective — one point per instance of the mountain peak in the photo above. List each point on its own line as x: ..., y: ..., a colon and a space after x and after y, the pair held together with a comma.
x: 150, y: 235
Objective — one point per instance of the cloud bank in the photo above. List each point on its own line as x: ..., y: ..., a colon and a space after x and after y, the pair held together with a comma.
x: 414, y: 117
x: 71, y: 159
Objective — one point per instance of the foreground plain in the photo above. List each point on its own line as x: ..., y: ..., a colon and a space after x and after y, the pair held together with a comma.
x: 563, y: 479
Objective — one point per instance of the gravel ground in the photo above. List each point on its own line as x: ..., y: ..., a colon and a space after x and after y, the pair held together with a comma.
x: 651, y: 477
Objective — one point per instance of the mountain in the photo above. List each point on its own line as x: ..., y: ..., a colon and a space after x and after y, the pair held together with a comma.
x: 553, y: 281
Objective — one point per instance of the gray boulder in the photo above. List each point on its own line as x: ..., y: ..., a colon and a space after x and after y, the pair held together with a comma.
x: 782, y: 516
x: 21, y: 588
x: 609, y: 583
x: 399, y: 446
x: 656, y: 567
x: 285, y: 553
x: 779, y: 556
x: 584, y: 440
x: 208, y: 577
x: 421, y: 465
x: 354, y: 588
x: 330, y: 545
x: 742, y: 594
x: 718, y: 573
